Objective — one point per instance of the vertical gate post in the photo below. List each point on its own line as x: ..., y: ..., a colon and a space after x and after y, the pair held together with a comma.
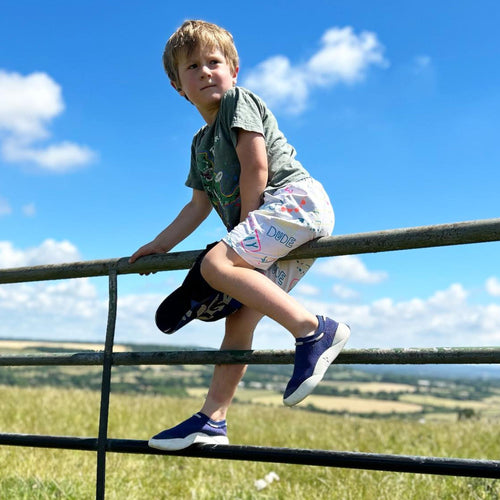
x: 102, y: 439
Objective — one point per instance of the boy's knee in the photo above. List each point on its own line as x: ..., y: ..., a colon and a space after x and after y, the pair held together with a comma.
x: 219, y: 261
x: 209, y: 266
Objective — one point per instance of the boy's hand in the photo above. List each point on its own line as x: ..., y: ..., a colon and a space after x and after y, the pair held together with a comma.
x: 150, y: 248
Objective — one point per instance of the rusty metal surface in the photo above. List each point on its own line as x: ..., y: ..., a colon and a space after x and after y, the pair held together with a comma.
x: 460, y: 233
x: 396, y: 356
x: 325, y: 458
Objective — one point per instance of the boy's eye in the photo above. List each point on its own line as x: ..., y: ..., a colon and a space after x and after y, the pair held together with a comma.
x: 192, y: 66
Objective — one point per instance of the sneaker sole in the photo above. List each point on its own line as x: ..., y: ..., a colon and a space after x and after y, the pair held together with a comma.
x: 327, y: 358
x: 181, y: 443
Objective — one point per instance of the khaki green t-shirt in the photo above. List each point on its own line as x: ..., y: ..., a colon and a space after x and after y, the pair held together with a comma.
x: 215, y: 167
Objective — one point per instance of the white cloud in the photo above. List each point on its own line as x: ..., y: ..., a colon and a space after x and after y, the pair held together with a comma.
x: 446, y: 318
x: 344, y: 57
x: 28, y: 105
x: 57, y: 158
x: 74, y: 309
x: 280, y: 84
x: 48, y: 252
x: 5, y: 208
x: 490, y: 321
x: 344, y: 292
x: 493, y: 286
x: 77, y: 309
x: 454, y: 296
x: 63, y: 309
x: 349, y: 267
x: 307, y: 289
x: 69, y: 309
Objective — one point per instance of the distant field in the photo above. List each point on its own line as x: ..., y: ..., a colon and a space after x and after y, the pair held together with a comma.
x: 419, y: 421
x: 407, y: 403
x: 21, y: 345
x: 371, y: 386
x: 350, y: 392
x: 359, y: 405
x: 46, y: 474
x: 373, y: 398
x: 329, y: 403
x: 444, y: 402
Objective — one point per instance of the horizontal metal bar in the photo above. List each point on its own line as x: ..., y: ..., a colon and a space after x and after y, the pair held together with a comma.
x: 327, y: 458
x: 42, y: 441
x: 459, y: 233
x: 410, y: 356
x: 299, y: 456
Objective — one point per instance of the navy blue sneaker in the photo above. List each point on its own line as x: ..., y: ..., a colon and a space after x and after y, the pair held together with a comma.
x: 197, y: 429
x: 313, y: 355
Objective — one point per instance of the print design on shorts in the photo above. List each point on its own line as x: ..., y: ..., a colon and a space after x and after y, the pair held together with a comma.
x: 281, y: 237
x: 313, y: 220
x: 279, y: 276
x: 302, y: 268
x: 293, y: 209
x: 266, y: 260
x: 252, y: 242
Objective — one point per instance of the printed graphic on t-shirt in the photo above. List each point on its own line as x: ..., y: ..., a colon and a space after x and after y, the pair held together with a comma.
x: 224, y: 193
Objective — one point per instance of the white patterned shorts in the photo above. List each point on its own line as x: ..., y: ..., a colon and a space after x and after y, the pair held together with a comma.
x: 289, y: 217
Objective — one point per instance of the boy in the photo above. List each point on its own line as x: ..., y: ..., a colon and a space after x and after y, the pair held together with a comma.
x: 242, y: 165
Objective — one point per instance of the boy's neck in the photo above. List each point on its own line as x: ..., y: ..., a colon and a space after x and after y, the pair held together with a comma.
x: 209, y: 115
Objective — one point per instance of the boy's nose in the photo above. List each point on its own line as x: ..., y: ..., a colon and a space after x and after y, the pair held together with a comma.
x: 205, y: 71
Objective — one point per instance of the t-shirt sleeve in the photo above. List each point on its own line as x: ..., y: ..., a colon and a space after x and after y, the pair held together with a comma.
x: 194, y: 180
x: 242, y: 111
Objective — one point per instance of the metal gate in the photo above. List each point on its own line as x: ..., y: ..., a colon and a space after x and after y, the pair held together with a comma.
x: 480, y: 231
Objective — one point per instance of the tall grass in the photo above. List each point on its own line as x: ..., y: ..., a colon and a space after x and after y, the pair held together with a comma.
x: 28, y: 473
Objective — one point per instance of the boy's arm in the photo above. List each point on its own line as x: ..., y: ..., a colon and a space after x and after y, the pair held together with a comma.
x: 252, y: 154
x: 189, y: 218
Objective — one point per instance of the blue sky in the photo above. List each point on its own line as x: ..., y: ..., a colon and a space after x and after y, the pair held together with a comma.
x: 394, y: 106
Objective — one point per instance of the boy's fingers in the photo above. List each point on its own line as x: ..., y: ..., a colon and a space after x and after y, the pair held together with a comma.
x: 135, y: 256
x: 146, y: 250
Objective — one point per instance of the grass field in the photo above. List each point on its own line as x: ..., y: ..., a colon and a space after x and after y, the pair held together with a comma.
x: 371, y: 386
x: 447, y: 403
x: 37, y: 474
x: 407, y: 403
x: 340, y: 404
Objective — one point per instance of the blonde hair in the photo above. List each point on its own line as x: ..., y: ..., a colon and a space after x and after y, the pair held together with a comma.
x: 191, y: 35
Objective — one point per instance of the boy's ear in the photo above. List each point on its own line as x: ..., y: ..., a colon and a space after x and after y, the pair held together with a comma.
x: 235, y: 74
x: 178, y: 89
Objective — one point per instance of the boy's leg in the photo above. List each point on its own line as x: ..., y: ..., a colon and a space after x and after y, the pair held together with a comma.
x: 209, y: 425
x: 238, y: 336
x: 319, y: 340
x: 226, y: 271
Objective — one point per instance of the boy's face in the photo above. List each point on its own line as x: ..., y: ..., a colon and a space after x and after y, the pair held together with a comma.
x: 205, y: 76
